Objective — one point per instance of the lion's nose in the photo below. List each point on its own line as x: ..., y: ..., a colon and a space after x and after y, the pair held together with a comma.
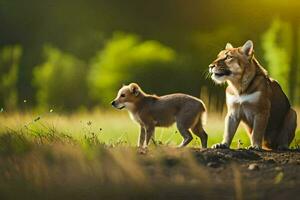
x: 211, y: 66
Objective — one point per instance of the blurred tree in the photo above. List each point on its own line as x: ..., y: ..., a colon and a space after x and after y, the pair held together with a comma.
x: 60, y: 80
x: 295, y: 72
x: 9, y: 66
x: 196, y: 30
x: 277, y: 50
x: 119, y: 61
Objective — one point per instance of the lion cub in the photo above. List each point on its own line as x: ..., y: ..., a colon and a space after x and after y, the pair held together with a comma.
x: 152, y: 111
x: 255, y: 99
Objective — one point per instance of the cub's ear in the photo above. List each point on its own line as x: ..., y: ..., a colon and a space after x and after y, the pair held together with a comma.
x: 248, y: 48
x: 134, y: 89
x: 228, y: 46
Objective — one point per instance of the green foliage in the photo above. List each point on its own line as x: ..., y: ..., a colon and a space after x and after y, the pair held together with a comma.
x: 60, y: 80
x: 276, y: 45
x: 9, y: 65
x: 81, y: 29
x: 120, y: 61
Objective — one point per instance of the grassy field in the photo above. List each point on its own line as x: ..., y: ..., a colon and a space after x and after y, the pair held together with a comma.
x: 109, y: 128
x: 93, y: 155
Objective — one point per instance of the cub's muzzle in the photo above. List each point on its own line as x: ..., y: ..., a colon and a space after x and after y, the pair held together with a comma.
x: 113, y: 103
x: 116, y: 105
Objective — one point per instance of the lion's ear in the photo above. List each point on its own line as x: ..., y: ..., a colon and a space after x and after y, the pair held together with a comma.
x: 247, y: 48
x: 228, y: 46
x: 134, y: 89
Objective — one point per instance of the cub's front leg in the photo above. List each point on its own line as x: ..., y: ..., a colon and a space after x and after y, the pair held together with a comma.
x: 142, y: 137
x: 149, y: 133
x: 231, y: 123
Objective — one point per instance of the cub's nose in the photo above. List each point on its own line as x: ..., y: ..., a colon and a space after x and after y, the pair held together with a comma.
x: 113, y: 103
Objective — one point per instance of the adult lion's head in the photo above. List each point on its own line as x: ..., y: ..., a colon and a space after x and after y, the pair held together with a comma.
x: 232, y: 64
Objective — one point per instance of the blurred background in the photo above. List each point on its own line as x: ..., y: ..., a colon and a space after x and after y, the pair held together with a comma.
x: 75, y: 55
x: 63, y: 61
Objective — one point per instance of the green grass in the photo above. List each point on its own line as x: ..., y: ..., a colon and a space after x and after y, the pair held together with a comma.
x: 109, y: 128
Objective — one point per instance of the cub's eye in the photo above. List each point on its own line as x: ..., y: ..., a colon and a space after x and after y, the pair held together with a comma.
x: 122, y: 95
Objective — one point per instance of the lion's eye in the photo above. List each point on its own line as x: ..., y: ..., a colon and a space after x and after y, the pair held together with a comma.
x: 228, y: 57
x: 122, y: 95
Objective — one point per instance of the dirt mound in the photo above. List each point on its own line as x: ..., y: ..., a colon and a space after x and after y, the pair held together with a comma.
x: 217, y: 157
x: 274, y: 174
x: 244, y: 156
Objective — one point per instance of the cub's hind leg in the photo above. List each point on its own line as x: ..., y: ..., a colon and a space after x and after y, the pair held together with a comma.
x: 200, y: 132
x: 184, y: 121
x: 185, y: 133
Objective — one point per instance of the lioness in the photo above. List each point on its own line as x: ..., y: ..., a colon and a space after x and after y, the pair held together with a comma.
x: 152, y: 111
x: 253, y: 98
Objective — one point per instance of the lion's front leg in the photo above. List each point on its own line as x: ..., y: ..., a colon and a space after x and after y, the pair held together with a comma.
x: 259, y: 127
x: 231, y: 124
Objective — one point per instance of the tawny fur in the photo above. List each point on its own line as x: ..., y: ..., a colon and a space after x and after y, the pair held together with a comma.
x: 152, y: 111
x: 253, y: 98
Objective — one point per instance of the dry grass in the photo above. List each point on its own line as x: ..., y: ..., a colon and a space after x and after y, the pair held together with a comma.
x: 93, y: 155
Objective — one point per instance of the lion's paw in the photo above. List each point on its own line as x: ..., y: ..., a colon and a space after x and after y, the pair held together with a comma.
x: 254, y: 147
x: 220, y: 146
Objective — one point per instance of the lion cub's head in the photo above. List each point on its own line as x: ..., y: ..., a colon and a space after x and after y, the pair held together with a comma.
x: 232, y: 63
x: 127, y: 96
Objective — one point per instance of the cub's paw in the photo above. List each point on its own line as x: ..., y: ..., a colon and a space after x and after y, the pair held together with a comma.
x: 220, y: 146
x: 142, y: 150
x: 255, y: 148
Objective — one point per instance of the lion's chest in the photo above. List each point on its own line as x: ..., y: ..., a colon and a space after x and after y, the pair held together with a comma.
x: 243, y: 106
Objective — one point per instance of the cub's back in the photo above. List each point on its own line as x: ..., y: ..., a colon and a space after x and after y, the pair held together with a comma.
x: 173, y: 103
x: 164, y: 109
